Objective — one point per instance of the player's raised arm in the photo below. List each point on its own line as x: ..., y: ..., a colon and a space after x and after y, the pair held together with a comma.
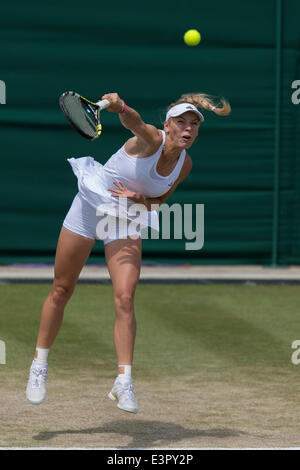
x: 132, y: 120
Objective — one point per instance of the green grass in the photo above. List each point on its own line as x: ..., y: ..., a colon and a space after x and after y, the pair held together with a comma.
x: 229, y: 346
x: 223, y: 331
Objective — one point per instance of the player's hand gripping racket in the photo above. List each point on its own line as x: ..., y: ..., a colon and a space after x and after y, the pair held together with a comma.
x: 84, y: 115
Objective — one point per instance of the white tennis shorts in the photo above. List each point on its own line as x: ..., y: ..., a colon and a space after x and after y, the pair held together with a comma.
x: 82, y: 219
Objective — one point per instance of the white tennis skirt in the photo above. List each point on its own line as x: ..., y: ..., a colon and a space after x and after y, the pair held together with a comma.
x: 82, y: 219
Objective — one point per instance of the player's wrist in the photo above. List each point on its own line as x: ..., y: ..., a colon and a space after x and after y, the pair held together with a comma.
x: 138, y: 198
x: 123, y: 108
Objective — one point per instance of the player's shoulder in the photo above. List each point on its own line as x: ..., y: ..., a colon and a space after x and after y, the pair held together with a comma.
x: 154, y: 135
x: 148, y: 134
x: 144, y: 143
x: 151, y: 138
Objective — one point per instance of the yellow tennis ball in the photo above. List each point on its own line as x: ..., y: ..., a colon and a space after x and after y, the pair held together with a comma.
x: 192, y: 37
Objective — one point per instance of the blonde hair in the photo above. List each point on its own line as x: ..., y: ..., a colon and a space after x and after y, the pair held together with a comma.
x: 202, y: 100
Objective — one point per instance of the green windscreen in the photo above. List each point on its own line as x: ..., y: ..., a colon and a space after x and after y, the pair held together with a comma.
x: 136, y: 49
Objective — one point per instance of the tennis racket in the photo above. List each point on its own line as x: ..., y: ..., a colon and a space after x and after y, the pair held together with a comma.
x: 84, y: 115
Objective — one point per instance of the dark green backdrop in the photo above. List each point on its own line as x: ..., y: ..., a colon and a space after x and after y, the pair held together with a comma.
x: 136, y: 49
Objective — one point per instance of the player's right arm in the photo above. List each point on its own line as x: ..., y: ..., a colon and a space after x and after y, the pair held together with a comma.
x: 144, y: 133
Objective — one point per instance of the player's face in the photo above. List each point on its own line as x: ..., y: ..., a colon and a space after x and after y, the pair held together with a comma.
x: 183, y: 129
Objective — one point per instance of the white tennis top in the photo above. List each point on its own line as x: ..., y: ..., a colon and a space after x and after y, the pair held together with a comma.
x: 137, y: 174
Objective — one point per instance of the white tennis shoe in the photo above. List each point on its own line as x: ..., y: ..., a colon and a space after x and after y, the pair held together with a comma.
x: 36, y: 386
x: 123, y: 392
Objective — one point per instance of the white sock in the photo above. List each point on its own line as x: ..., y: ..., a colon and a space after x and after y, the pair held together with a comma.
x: 127, y: 371
x: 41, y: 355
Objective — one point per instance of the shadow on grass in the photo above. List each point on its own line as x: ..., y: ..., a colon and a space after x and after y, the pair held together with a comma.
x: 144, y: 433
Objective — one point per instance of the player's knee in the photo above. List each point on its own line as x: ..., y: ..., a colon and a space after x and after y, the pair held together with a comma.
x: 61, y: 293
x: 124, y: 303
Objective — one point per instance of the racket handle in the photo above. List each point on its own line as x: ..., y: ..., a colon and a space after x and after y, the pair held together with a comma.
x: 103, y: 104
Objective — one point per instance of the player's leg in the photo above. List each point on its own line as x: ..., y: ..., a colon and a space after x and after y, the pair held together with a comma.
x: 75, y: 243
x: 123, y: 259
x: 71, y: 254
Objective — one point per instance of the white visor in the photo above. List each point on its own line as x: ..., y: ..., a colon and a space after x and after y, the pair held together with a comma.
x: 181, y: 108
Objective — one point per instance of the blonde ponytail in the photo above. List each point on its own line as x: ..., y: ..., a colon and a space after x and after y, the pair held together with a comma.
x: 202, y: 100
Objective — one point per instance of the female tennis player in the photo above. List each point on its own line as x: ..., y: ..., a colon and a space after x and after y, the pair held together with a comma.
x: 145, y: 170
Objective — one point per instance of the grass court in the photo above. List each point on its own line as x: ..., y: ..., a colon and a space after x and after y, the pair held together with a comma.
x: 212, y: 368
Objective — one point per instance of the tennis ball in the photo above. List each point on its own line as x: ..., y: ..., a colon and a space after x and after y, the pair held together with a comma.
x: 192, y: 37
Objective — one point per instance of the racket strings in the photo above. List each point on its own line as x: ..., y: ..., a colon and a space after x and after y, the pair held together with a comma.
x: 83, y: 115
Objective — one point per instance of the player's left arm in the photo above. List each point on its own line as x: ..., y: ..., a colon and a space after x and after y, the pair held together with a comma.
x: 132, y: 120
